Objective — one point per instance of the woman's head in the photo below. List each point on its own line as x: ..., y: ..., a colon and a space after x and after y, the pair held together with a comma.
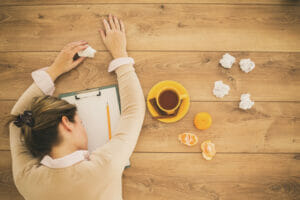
x: 56, y: 122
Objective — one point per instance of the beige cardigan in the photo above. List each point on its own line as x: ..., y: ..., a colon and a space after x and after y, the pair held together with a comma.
x: 94, y: 179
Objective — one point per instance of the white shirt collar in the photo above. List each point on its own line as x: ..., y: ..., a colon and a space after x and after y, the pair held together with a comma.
x: 67, y: 160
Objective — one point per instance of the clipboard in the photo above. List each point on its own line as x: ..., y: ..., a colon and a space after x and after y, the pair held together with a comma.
x: 91, y: 106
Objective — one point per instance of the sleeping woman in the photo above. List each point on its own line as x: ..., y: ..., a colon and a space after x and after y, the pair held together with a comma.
x: 49, y: 142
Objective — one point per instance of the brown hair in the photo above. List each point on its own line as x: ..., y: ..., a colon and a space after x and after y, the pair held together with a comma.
x: 47, y: 112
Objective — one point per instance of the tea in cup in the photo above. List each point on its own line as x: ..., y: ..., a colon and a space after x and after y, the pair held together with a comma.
x: 168, y: 99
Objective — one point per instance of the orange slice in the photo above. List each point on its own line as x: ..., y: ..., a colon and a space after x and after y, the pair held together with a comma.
x: 188, y: 139
x: 208, y: 150
x: 202, y: 120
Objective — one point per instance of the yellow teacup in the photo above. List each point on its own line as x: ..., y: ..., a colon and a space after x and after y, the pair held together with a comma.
x: 168, y: 99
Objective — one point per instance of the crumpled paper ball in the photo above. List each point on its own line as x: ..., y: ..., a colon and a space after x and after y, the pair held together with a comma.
x: 220, y: 89
x: 88, y: 52
x: 227, y: 60
x: 246, y: 103
x: 247, y: 65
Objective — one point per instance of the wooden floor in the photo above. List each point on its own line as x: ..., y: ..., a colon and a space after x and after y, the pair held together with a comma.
x: 258, y: 151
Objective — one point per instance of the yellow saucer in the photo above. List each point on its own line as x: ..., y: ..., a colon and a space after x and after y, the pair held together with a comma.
x: 184, y: 107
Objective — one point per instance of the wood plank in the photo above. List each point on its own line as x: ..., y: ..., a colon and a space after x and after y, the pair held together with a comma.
x: 275, y: 77
x: 229, y: 176
x: 200, y: 27
x: 63, y: 2
x: 180, y: 176
x: 8, y: 190
x: 268, y: 127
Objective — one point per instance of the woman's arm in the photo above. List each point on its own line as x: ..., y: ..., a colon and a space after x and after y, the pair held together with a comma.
x: 119, y: 149
x: 21, y: 157
x: 43, y: 84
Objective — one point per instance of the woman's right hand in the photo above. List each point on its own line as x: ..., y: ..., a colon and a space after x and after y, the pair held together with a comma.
x: 114, y: 36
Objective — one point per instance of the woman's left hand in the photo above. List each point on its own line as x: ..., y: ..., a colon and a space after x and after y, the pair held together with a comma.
x: 64, y: 61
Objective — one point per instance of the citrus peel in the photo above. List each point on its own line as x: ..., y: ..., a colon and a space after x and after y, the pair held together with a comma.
x: 188, y: 139
x: 208, y: 149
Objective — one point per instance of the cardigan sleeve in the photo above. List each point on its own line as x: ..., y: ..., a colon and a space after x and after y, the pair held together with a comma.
x: 22, y: 159
x: 119, y: 149
x: 43, y: 80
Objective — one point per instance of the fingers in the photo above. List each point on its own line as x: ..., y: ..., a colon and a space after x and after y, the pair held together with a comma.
x: 74, y: 44
x: 102, y: 34
x: 114, y: 25
x: 111, y: 22
x: 78, y: 44
x: 78, y: 61
x: 122, y: 26
x: 116, y: 21
x: 106, y: 25
x: 78, y: 48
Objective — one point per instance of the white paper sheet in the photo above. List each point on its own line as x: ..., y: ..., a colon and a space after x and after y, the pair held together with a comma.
x: 93, y: 112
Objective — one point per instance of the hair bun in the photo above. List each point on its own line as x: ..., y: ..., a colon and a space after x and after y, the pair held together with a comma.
x: 25, y: 118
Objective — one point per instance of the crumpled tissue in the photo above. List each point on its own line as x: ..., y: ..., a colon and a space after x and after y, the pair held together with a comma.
x: 220, y: 89
x: 88, y: 52
x: 246, y: 103
x: 227, y: 60
x: 247, y: 65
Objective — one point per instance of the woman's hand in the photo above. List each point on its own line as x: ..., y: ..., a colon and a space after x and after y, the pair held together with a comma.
x: 114, y: 36
x: 64, y: 61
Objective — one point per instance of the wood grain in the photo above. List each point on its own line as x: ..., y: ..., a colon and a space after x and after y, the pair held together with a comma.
x: 275, y: 77
x: 197, y: 27
x: 229, y: 176
x: 8, y: 190
x: 72, y: 2
x: 182, y: 40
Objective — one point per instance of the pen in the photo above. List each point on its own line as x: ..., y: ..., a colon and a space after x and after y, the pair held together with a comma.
x: 108, y: 120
